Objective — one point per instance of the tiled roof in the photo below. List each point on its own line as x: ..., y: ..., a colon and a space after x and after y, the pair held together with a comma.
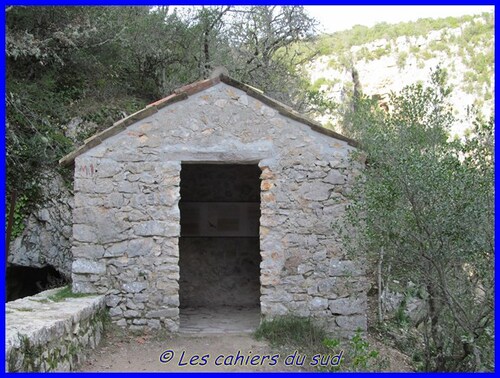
x: 182, y: 94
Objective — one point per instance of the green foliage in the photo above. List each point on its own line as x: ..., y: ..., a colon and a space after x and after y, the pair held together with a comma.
x: 105, y: 115
x: 476, y: 50
x: 481, y: 64
x: 32, y: 355
x: 304, y: 335
x: 362, y: 356
x: 479, y: 32
x: 317, y: 99
x: 414, y: 49
x: 475, y: 46
x: 23, y: 207
x: 358, y: 356
x: 323, y: 82
x: 375, y: 54
x: 428, y: 202
x: 103, y: 63
x: 34, y: 139
x: 66, y: 292
x: 20, y: 213
x: 401, y: 60
x: 340, y: 42
x: 400, y: 317
x: 426, y: 54
x: 319, y: 102
x: 442, y: 46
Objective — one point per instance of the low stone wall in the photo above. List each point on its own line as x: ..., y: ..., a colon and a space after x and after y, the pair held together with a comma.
x: 47, y: 335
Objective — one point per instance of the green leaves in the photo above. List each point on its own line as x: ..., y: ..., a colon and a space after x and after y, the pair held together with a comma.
x: 427, y: 202
x: 357, y: 353
x: 98, y: 64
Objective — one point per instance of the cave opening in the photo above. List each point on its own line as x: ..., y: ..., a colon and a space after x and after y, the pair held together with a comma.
x: 24, y: 281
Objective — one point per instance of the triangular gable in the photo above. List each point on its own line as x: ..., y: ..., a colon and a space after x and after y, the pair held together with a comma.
x: 182, y: 94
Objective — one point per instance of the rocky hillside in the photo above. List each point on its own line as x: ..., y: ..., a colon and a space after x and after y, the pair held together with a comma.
x: 388, y: 57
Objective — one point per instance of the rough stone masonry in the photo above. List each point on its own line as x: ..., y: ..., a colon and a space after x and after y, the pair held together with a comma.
x: 127, y: 221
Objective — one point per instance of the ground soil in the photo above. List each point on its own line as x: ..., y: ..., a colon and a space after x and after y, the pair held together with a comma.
x: 123, y: 352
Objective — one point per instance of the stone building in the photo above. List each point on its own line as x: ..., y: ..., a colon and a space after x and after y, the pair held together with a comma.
x: 216, y: 199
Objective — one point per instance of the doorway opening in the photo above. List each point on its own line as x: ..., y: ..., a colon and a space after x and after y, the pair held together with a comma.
x: 219, y: 251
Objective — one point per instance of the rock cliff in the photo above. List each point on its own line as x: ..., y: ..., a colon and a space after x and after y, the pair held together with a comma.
x: 385, y: 65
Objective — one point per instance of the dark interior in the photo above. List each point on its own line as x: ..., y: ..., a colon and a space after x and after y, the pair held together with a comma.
x: 24, y: 281
x: 219, y: 254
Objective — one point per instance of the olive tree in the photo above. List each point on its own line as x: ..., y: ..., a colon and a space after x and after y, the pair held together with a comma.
x: 424, y: 208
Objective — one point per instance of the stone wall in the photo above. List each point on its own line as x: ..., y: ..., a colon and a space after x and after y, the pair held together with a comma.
x: 47, y: 237
x: 126, y: 228
x: 44, y: 335
x: 307, y: 272
x: 126, y: 216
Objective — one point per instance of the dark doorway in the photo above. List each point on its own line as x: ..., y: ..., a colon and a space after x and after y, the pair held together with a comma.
x: 219, y: 253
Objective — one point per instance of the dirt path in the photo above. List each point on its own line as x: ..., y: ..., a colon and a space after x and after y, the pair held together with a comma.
x: 120, y: 351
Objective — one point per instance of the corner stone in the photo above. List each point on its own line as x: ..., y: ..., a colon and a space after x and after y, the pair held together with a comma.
x: 135, y: 287
x: 335, y: 178
x: 347, y: 306
x: 89, y: 267
x: 340, y: 268
x: 352, y: 322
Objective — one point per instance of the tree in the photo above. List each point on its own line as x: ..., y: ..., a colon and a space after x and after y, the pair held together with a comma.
x: 98, y: 64
x: 427, y: 202
x: 62, y: 62
x: 264, y: 42
x: 209, y: 28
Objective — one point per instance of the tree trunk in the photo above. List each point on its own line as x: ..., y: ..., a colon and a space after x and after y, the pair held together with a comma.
x: 10, y: 223
x: 379, y: 283
x: 436, y: 334
x: 206, y: 53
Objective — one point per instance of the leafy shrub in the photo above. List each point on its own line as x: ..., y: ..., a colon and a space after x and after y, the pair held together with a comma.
x: 340, y: 42
x: 401, y: 60
x: 427, y: 202
x: 20, y: 213
x: 357, y: 354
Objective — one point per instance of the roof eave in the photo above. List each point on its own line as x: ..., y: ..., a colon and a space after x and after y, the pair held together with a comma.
x: 285, y: 110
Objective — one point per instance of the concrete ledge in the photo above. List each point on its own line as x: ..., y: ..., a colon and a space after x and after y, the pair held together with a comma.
x: 47, y: 335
